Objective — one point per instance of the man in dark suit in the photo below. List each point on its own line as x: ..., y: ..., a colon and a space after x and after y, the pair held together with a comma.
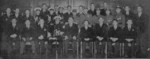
x: 120, y: 17
x: 114, y: 40
x: 130, y: 35
x: 128, y: 13
x: 14, y: 32
x: 37, y: 15
x: 100, y: 36
x: 86, y: 40
x: 42, y: 36
x: 67, y: 14
x: 141, y: 23
x: 28, y: 36
x: 44, y: 12
x: 92, y: 10
x: 70, y: 32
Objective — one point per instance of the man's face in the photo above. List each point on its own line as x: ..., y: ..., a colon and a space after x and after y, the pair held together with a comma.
x: 101, y: 20
x: 80, y: 9
x: 129, y: 22
x: 61, y: 9
x: 37, y: 12
x: 17, y: 11
x: 44, y: 7
x: 92, y: 6
x: 27, y: 23
x: 8, y: 10
x: 86, y: 23
x: 139, y: 9
x: 57, y: 21
x: 70, y: 20
x: 98, y: 11
x: 85, y: 11
x: 105, y: 5
x: 127, y: 8
x: 41, y: 22
x: 51, y: 11
x: 118, y: 10
x: 74, y: 13
x: 14, y: 21
x: 69, y: 8
x: 115, y: 23
x: 107, y: 12
x: 27, y: 12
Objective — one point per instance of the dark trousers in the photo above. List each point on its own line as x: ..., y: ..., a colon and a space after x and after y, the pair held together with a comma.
x: 100, y: 49
x: 130, y: 50
x: 70, y: 44
x: 86, y: 49
x: 113, y: 50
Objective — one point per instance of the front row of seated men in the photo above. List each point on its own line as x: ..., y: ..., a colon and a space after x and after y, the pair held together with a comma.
x: 118, y: 41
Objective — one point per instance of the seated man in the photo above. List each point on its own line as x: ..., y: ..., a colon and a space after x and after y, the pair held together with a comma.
x: 130, y: 35
x: 27, y: 37
x: 56, y: 39
x: 114, y: 39
x: 42, y: 35
x: 14, y: 34
x: 100, y: 35
x: 71, y: 31
x: 86, y: 36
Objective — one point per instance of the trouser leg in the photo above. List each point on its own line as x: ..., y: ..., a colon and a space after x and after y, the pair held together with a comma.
x: 22, y: 45
x: 33, y: 47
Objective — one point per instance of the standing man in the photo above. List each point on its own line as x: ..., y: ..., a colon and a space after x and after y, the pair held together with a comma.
x: 68, y: 14
x: 44, y: 12
x: 92, y: 10
x: 120, y: 17
x: 141, y: 24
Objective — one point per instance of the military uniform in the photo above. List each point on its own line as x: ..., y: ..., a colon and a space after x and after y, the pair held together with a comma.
x: 108, y: 20
x: 80, y: 20
x: 121, y: 20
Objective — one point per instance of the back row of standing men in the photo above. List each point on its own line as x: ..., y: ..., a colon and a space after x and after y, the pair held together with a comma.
x: 95, y: 24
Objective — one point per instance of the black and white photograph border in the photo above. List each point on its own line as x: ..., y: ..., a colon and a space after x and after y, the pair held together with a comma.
x: 74, y: 29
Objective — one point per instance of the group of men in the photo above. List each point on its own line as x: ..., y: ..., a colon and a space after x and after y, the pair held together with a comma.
x: 97, y: 32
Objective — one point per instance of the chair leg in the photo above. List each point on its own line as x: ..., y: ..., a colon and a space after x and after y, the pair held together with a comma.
x: 81, y: 51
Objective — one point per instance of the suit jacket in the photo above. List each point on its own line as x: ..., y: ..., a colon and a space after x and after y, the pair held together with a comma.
x: 71, y: 31
x: 121, y: 22
x: 92, y: 12
x: 101, y: 31
x: 130, y: 33
x: 86, y: 33
x: 141, y: 22
x: 6, y: 20
x: 66, y: 16
x: 44, y: 15
x: 115, y: 33
x: 14, y: 30
x: 28, y: 33
x: 41, y: 31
